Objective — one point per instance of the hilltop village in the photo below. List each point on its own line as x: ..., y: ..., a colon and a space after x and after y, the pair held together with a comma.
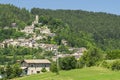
x: 35, y: 40
x: 71, y: 44
x: 43, y: 33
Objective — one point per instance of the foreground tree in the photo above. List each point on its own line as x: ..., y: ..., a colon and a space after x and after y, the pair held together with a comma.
x: 68, y: 63
x: 11, y: 71
x: 91, y: 57
x: 54, y: 68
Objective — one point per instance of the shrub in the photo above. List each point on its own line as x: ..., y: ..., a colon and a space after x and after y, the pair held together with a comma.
x: 68, y: 63
x: 115, y: 54
x: 115, y: 65
x: 106, y: 64
x: 43, y: 69
x: 54, y: 68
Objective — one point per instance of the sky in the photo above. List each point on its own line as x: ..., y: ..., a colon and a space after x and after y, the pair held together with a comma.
x: 108, y: 6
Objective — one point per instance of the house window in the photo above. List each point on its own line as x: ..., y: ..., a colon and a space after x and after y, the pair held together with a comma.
x: 32, y: 65
x: 38, y: 71
x: 45, y: 65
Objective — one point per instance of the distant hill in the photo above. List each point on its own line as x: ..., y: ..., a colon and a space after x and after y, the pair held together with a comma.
x: 10, y: 14
x: 102, y: 29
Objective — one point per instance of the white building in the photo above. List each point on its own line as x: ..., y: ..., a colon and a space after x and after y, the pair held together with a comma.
x: 35, y: 66
x: 49, y: 47
x: 28, y: 29
x: 45, y: 30
x: 1, y: 45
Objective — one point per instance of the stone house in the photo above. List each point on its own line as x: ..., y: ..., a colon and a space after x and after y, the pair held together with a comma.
x: 28, y: 30
x: 7, y: 42
x: 35, y: 66
x: 64, y: 42
x: 50, y: 47
x: 38, y: 37
x: 45, y: 30
x: 13, y: 24
x: 1, y: 45
x: 77, y: 55
x: 14, y: 43
x: 79, y: 52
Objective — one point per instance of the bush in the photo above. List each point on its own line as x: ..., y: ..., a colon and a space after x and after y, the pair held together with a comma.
x: 68, y: 63
x: 80, y: 64
x: 106, y: 64
x: 54, y: 68
x: 115, y: 54
x: 43, y: 69
x: 115, y: 65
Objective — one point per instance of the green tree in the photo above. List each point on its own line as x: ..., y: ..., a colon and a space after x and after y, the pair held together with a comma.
x: 43, y: 69
x: 11, y: 71
x: 68, y: 63
x: 17, y: 71
x: 54, y: 68
x: 8, y: 72
x: 2, y: 71
x: 63, y: 49
x: 91, y: 57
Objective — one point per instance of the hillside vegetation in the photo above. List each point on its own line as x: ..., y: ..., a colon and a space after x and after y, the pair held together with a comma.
x: 93, y: 73
x: 66, y: 31
x: 11, y: 14
x: 86, y: 28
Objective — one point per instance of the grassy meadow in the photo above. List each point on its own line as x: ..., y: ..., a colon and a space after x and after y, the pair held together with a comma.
x: 93, y: 73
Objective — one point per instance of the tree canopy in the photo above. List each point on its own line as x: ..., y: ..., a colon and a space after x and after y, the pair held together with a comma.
x: 101, y: 29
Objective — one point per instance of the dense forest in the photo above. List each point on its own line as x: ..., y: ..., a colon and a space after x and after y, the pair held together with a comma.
x: 10, y: 33
x: 11, y: 19
x: 10, y: 14
x: 86, y: 28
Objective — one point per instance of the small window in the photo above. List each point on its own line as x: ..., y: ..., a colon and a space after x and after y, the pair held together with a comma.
x: 32, y: 65
x: 45, y: 65
x: 38, y: 71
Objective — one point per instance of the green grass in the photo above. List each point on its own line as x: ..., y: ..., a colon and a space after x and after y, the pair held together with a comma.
x: 93, y: 73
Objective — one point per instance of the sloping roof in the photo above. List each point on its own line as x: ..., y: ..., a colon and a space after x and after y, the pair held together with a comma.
x: 37, y: 61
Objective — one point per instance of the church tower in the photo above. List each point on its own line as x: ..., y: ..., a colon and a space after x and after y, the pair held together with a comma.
x: 36, y: 19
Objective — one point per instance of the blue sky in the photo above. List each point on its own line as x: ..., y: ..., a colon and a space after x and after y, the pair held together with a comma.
x: 109, y: 6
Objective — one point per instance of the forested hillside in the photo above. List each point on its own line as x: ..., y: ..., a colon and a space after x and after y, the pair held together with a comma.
x: 86, y: 28
x: 79, y: 28
x: 10, y: 14
x: 75, y: 38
